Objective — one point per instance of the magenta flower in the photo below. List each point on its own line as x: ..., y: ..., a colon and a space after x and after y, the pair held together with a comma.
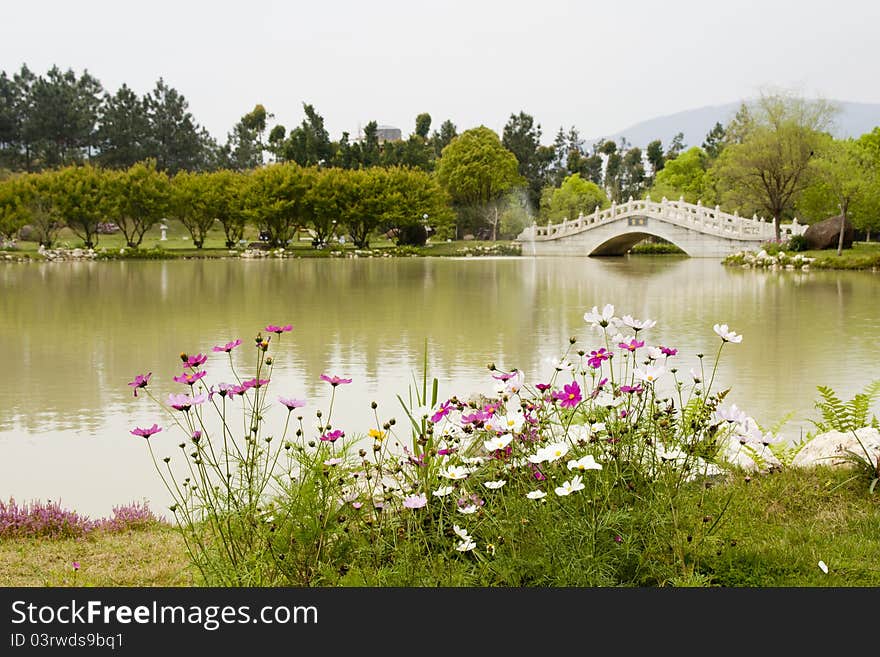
x: 415, y: 501
x: 632, y: 345
x: 542, y: 387
x: 443, y: 411
x: 446, y: 451
x: 140, y: 381
x: 292, y: 403
x: 630, y: 389
x: 475, y: 417
x: 75, y: 565
x: 146, y: 433
x: 223, y: 389
x: 229, y: 346
x: 254, y: 383
x: 667, y: 351
x: 536, y: 472
x: 190, y: 379
x: 193, y: 361
x: 197, y: 435
x: 278, y: 329
x: 596, y: 358
x: 569, y: 396
x: 185, y: 402
x: 334, y: 380
x: 333, y: 436
x: 505, y: 376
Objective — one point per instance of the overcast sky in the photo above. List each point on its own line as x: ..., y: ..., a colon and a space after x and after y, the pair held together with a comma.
x: 600, y: 66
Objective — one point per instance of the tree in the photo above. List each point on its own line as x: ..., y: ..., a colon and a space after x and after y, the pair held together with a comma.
x: 769, y: 167
x: 80, y: 200
x: 842, y: 166
x: 29, y: 201
x: 687, y: 176
x: 370, y: 152
x: 13, y: 208
x: 124, y: 130
x: 866, y: 213
x: 363, y: 203
x: 276, y: 141
x: 714, y: 142
x: 423, y: 125
x: 476, y: 170
x: 654, y: 153
x: 276, y: 200
x: 309, y: 143
x: 223, y: 198
x: 413, y: 200
x: 573, y: 198
x: 139, y: 198
x: 675, y: 147
x: 523, y: 138
x: 632, y: 174
x: 187, y: 202
x: 176, y: 141
x: 324, y: 203
x: 442, y: 139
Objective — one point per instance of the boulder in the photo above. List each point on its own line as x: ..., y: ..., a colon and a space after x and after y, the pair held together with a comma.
x: 749, y: 456
x: 825, y: 234
x: 837, y: 449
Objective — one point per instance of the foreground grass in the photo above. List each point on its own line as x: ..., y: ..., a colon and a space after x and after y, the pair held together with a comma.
x: 773, y: 531
x: 154, y: 556
x: 862, y: 255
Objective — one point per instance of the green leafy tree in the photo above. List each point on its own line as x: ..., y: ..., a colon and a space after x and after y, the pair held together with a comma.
x: 177, y: 142
x: 687, y: 176
x: 842, y: 166
x: 370, y: 150
x: 866, y: 213
x: 364, y: 203
x: 324, y: 202
x: 276, y: 141
x: 80, y: 200
x: 476, y: 170
x: 223, y: 197
x: 187, y: 202
x: 139, y: 198
x: 423, y: 125
x: 633, y: 175
x: 413, y: 200
x: 33, y: 206
x: 309, y: 143
x: 124, y: 130
x: 769, y: 168
x: 14, y: 213
x: 676, y: 146
x: 276, y: 200
x: 573, y: 198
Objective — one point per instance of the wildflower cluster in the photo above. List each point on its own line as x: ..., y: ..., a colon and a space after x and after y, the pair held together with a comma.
x: 764, y: 260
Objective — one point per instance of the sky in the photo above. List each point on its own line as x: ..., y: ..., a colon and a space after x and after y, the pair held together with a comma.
x: 599, y: 67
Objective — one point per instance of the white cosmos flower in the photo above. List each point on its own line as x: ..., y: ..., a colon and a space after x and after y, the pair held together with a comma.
x: 607, y: 400
x: 654, y: 353
x: 455, y: 472
x: 638, y: 325
x: 558, y: 364
x: 597, y: 318
x: 498, y: 442
x: 732, y: 414
x: 577, y: 432
x: 467, y: 510
x: 549, y: 453
x: 443, y: 491
x: 461, y: 533
x: 696, y: 376
x: 649, y: 373
x: 584, y: 463
x: 536, y: 494
x: 474, y: 460
x: 726, y: 334
x: 466, y: 545
x: 597, y: 427
x: 571, y: 486
x: 494, y: 485
x: 670, y: 453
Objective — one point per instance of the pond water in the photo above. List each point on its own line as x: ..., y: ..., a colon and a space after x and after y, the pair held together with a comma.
x: 72, y: 335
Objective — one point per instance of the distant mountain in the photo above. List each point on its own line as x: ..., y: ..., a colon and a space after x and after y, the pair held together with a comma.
x: 854, y: 120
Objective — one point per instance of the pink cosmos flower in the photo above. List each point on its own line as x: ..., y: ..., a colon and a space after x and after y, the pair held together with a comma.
x: 505, y: 376
x: 570, y: 396
x: 185, y: 402
x: 146, y: 433
x: 140, y: 381
x: 190, y: 379
x: 332, y: 462
x: 223, y: 389
x: 292, y: 403
x: 443, y: 411
x: 667, y: 351
x: 415, y: 501
x: 632, y: 345
x: 631, y: 389
x: 542, y: 387
x: 334, y: 380
x: 75, y: 565
x: 194, y: 361
x: 596, y: 358
x: 254, y: 383
x: 475, y: 417
x: 229, y: 346
x: 333, y: 436
x: 271, y: 328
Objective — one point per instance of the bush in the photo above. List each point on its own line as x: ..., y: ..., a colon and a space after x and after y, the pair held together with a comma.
x: 798, y: 243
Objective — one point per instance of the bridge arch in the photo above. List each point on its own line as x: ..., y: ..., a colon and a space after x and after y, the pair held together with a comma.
x: 621, y: 243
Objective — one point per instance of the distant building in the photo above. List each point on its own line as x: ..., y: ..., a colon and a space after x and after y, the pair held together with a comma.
x: 388, y: 133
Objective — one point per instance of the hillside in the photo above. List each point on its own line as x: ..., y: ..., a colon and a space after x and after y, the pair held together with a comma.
x: 853, y: 120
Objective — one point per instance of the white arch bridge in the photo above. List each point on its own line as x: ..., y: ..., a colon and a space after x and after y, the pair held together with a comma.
x: 697, y: 230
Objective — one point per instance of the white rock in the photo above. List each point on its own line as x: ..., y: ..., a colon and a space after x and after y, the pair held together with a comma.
x: 832, y: 449
x: 751, y: 457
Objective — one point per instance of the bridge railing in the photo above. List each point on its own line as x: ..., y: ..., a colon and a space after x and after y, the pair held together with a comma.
x: 695, y: 216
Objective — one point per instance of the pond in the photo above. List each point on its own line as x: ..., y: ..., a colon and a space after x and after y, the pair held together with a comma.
x: 73, y: 334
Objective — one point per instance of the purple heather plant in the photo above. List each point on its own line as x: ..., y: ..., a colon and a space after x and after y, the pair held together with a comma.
x: 50, y: 520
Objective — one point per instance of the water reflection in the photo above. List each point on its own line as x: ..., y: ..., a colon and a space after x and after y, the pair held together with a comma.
x: 73, y: 334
